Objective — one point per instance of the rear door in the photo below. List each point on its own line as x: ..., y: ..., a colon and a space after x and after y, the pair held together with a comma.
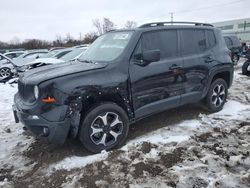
x: 197, y: 59
x: 157, y: 86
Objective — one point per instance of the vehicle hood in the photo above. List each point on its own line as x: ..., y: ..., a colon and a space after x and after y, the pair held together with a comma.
x: 44, y: 73
x: 46, y: 61
x: 19, y: 62
x: 2, y: 63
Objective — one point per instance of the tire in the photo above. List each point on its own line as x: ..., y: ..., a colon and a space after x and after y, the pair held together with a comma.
x: 5, y: 72
x: 217, y: 95
x: 245, y: 67
x: 107, y: 136
x: 235, y: 59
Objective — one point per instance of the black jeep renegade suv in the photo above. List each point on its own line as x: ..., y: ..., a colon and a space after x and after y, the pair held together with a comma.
x: 124, y: 76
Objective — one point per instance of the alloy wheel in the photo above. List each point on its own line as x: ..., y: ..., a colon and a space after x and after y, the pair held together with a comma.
x: 218, y: 95
x: 106, y: 128
x: 5, y: 72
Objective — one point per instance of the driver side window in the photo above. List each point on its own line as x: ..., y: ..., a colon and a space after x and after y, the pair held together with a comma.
x: 164, y: 40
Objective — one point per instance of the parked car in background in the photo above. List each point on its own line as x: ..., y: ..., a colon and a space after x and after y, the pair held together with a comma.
x: 15, y: 54
x: 234, y: 45
x: 28, y: 57
x: 11, y: 66
x: 56, y: 48
x: 32, y: 55
x: 3, y: 51
x: 124, y: 76
x: 246, y: 64
x: 7, y: 69
x: 56, y: 54
x: 82, y: 46
x: 74, y: 54
x: 19, y: 65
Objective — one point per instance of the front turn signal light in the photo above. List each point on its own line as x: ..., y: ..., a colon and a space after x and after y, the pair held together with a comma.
x: 49, y: 100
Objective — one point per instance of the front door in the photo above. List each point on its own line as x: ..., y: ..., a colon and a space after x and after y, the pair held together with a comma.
x: 156, y: 86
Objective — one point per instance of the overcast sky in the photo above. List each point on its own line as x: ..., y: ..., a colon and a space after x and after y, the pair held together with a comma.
x: 44, y: 19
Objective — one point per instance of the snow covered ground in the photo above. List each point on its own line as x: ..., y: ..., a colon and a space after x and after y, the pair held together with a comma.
x: 184, y: 147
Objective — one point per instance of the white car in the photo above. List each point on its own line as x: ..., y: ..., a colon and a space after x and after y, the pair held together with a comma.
x: 14, y: 54
x: 28, y: 57
x: 7, y: 68
x: 74, y: 54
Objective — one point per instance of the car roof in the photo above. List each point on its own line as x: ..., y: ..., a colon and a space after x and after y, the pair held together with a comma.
x: 168, y: 25
x: 14, y: 52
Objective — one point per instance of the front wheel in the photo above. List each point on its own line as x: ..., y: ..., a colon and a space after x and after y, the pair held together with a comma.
x: 245, y: 68
x: 217, y: 95
x: 105, y: 127
x: 5, y: 72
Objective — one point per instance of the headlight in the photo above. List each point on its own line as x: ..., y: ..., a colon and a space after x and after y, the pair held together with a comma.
x: 36, y: 92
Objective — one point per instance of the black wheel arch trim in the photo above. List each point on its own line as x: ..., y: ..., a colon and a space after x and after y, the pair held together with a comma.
x: 217, y: 70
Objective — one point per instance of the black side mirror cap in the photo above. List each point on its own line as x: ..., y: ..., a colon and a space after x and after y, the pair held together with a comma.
x: 148, y: 57
x: 151, y: 56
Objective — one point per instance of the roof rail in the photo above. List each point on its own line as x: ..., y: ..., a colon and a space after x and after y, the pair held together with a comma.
x: 156, y: 24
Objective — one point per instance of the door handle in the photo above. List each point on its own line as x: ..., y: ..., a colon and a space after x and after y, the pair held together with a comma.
x: 174, y: 66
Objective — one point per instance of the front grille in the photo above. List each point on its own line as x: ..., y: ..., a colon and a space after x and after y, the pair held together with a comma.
x: 26, y: 92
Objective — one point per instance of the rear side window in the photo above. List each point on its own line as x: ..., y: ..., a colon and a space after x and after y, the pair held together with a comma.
x: 193, y: 41
x: 165, y: 41
x: 211, y: 38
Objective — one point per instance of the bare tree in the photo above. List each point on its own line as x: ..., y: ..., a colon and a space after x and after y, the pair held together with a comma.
x: 58, y: 41
x: 130, y: 25
x: 108, y: 25
x: 104, y: 26
x: 90, y: 37
x: 98, y: 25
x: 68, y: 37
x: 14, y: 41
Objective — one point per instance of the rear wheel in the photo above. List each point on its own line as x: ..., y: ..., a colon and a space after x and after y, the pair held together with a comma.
x: 105, y: 127
x: 245, y: 68
x: 5, y: 72
x: 217, y: 95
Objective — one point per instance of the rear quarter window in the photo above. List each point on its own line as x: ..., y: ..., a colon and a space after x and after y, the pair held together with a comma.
x: 211, y: 38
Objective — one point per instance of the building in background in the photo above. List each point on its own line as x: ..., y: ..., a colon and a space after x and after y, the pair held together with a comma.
x: 240, y: 28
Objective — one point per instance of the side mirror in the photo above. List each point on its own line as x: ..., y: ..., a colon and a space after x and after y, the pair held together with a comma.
x: 148, y: 57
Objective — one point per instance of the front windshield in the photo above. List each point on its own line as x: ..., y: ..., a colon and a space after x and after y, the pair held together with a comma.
x: 72, y: 55
x: 107, y: 47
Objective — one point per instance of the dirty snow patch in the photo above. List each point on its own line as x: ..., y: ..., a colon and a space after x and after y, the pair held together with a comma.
x: 70, y: 163
x: 176, y: 133
x: 232, y: 110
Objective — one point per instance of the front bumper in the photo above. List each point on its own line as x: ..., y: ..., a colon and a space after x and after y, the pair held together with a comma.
x: 55, y: 131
